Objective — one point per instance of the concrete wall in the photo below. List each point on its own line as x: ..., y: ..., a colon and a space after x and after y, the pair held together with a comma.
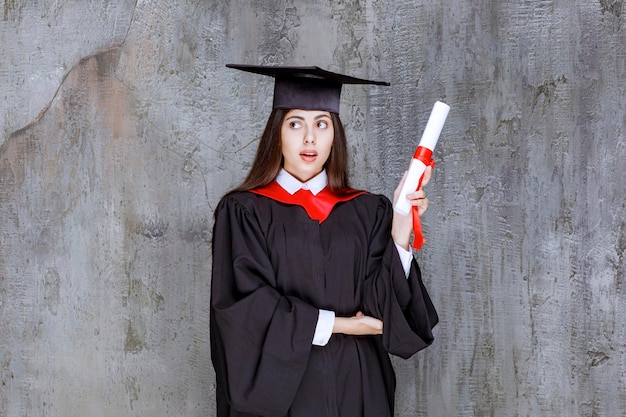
x: 121, y: 127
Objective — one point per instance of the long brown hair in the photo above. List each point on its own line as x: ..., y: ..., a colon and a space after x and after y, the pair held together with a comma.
x: 269, y: 158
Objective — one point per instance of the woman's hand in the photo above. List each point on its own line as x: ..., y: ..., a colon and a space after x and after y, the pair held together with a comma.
x: 358, y: 325
x: 402, y: 226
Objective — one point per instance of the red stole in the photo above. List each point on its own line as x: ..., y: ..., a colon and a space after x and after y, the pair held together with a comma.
x: 318, y: 207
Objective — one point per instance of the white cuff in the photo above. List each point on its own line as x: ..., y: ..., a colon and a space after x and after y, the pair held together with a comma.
x: 405, y: 257
x: 324, y: 328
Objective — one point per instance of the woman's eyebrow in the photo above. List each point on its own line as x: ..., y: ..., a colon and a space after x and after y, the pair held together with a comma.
x: 319, y: 116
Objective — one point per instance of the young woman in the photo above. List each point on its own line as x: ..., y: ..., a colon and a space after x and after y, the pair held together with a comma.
x: 313, y: 283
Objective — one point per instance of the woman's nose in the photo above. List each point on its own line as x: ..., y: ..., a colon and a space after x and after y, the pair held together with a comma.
x: 309, y: 137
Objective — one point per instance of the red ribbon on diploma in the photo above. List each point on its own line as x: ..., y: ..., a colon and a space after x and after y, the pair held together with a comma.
x: 426, y: 156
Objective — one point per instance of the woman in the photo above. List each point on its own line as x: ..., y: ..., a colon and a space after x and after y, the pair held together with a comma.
x: 313, y: 283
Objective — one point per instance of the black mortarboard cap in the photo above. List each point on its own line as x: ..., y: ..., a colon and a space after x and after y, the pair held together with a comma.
x: 305, y: 88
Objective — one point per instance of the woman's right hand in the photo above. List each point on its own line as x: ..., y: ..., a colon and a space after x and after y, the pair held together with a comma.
x: 358, y: 325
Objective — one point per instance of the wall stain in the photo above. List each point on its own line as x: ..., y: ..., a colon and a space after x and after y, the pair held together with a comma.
x: 133, y: 389
x: 140, y: 295
x: 7, y: 176
x: 52, y: 284
x: 198, y: 231
x: 153, y: 229
x: 512, y: 125
x: 619, y: 264
x: 547, y: 90
x: 133, y: 343
x: 12, y: 11
x: 598, y: 358
x: 612, y: 7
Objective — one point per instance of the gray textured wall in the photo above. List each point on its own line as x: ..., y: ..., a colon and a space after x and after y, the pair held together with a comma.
x: 120, y: 129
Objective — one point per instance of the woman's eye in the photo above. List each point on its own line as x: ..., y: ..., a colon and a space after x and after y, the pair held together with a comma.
x: 322, y: 124
x: 294, y: 125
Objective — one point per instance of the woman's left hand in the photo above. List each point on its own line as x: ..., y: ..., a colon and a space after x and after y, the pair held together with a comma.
x: 402, y: 226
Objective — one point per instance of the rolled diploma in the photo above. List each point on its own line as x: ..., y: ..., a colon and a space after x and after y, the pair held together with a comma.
x: 417, y: 167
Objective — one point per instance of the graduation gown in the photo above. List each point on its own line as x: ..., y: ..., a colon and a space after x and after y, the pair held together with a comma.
x: 273, y: 269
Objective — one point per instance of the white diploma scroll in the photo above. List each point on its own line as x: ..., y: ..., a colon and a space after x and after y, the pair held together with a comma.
x: 422, y: 156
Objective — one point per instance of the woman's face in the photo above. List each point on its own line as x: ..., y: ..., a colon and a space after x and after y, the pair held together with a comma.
x: 306, y: 140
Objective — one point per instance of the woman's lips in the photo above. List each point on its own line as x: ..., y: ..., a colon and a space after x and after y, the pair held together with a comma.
x: 308, y: 156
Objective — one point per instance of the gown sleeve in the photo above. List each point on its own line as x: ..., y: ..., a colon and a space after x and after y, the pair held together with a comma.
x: 401, y: 302
x: 260, y: 339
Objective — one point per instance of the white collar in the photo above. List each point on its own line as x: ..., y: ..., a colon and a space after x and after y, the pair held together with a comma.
x: 291, y: 184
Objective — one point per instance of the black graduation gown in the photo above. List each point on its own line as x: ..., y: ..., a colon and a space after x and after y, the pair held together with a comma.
x: 273, y: 269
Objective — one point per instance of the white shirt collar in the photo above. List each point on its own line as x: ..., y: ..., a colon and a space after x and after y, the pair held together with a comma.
x: 291, y: 184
